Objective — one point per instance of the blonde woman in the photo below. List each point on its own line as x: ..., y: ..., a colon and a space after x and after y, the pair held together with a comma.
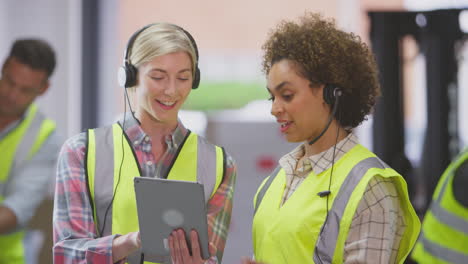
x: 99, y: 224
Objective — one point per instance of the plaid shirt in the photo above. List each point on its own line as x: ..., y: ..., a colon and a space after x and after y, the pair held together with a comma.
x: 75, y: 238
x: 378, y: 223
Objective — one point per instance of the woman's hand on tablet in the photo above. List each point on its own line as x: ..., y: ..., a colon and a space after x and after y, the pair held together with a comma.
x: 179, y: 250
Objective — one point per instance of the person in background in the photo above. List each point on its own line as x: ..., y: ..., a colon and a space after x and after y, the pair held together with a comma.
x: 444, y: 235
x: 28, y: 142
x: 330, y: 200
x: 96, y: 223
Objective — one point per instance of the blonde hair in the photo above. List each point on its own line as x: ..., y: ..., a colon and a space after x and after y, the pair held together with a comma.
x: 161, y: 39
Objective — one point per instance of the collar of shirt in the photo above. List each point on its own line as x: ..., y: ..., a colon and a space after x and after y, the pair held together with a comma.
x: 138, y: 137
x: 318, y: 162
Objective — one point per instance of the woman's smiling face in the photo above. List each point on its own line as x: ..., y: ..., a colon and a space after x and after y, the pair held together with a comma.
x: 163, y: 86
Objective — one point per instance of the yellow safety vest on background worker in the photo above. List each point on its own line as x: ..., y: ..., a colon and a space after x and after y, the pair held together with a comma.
x: 444, y: 236
x: 18, y: 147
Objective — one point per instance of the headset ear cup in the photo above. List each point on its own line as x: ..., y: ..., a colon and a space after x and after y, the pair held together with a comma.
x: 131, y: 75
x: 328, y: 94
x: 122, y: 76
x: 196, y: 79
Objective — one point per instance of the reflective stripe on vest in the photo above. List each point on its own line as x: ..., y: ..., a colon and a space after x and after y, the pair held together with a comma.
x: 209, y: 168
x: 445, y: 216
x: 443, y: 253
x: 22, y: 143
x: 23, y: 151
x: 265, y: 187
x: 445, y: 233
x: 326, y: 243
x: 104, y: 167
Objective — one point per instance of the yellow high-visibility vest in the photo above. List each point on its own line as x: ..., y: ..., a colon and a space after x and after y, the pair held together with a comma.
x: 290, y: 233
x: 444, y: 236
x: 197, y: 160
x: 18, y: 147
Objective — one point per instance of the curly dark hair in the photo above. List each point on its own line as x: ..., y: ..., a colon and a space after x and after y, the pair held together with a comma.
x: 326, y: 55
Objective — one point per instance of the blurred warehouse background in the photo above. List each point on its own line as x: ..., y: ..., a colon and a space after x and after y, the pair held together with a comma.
x: 420, y: 47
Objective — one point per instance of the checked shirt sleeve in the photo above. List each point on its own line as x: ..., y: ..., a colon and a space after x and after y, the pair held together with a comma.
x: 75, y: 238
x: 219, y: 212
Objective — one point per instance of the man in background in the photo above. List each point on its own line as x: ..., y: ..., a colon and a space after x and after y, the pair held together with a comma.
x: 28, y: 143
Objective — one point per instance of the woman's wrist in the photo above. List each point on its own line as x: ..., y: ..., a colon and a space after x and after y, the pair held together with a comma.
x: 124, y: 245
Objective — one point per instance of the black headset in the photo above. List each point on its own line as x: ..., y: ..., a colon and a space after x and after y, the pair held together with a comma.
x: 331, y: 94
x: 127, y: 75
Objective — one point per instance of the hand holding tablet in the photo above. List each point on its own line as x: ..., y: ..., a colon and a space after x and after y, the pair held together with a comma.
x: 167, y: 205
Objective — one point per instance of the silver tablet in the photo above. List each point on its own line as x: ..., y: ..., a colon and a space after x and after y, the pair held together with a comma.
x: 164, y: 205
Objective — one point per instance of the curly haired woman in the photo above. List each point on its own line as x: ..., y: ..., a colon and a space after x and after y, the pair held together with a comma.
x: 330, y: 200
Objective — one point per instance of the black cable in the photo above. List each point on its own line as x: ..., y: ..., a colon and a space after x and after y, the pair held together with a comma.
x: 142, y: 258
x: 330, y: 119
x: 327, y: 193
x: 129, y: 105
x: 121, y: 161
x: 333, y: 165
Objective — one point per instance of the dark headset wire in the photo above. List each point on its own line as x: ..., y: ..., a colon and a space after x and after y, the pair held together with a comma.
x: 126, y: 100
x: 331, y: 175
